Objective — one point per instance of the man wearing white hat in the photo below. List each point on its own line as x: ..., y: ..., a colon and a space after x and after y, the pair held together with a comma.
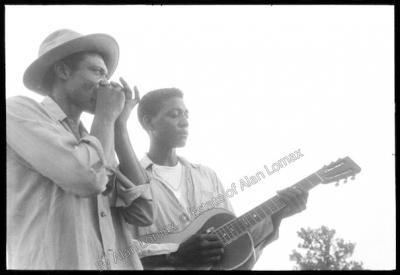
x: 64, y: 184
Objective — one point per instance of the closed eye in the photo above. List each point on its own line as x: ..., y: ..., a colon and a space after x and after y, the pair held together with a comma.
x: 99, y: 71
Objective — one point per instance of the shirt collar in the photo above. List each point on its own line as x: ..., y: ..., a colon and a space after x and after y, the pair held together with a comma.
x: 147, y: 162
x: 53, y: 109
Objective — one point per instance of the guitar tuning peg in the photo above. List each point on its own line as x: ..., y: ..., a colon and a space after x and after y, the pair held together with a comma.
x: 353, y: 177
x: 345, y: 180
x: 337, y: 183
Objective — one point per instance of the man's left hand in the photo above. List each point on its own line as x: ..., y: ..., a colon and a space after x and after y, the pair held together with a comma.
x: 130, y: 102
x: 295, y: 199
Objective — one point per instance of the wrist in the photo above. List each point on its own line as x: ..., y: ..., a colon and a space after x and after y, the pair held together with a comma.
x: 277, y: 218
x: 105, y: 118
x: 120, y: 125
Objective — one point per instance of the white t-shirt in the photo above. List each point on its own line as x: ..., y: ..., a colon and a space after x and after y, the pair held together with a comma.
x: 172, y: 178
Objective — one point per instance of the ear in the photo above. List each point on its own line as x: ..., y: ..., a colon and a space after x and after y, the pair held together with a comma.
x: 147, y: 123
x: 62, y: 71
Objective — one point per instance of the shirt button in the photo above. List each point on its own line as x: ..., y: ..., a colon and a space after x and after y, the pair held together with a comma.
x: 103, y: 214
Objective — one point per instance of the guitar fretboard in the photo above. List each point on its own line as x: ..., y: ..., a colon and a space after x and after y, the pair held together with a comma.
x: 232, y: 230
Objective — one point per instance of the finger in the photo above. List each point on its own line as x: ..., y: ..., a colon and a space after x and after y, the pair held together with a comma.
x: 137, y: 96
x: 212, y: 252
x: 210, y: 259
x: 298, y: 190
x: 209, y: 237
x: 211, y: 244
x: 116, y: 86
x: 290, y: 193
x: 127, y: 89
x: 290, y: 199
x: 284, y: 196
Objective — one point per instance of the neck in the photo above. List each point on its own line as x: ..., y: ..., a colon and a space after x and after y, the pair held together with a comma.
x: 162, y: 155
x: 71, y: 110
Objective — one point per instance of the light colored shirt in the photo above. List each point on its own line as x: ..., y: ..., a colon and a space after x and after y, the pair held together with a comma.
x: 172, y: 177
x: 203, y: 185
x: 58, y: 215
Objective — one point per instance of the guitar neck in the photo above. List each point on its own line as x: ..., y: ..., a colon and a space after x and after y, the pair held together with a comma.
x: 236, y: 227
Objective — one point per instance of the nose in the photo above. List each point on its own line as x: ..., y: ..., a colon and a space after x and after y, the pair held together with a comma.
x: 184, y: 122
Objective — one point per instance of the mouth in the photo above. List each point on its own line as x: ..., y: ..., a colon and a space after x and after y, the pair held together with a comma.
x: 183, y: 135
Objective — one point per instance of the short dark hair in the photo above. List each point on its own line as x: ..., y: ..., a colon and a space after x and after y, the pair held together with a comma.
x: 151, y: 103
x: 71, y: 61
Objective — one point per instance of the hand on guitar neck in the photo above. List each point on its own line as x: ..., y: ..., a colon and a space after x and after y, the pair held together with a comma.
x: 295, y: 199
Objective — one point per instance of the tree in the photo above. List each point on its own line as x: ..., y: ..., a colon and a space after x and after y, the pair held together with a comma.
x: 322, y: 252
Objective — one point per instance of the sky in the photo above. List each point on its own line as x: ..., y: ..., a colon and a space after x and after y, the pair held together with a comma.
x: 260, y: 82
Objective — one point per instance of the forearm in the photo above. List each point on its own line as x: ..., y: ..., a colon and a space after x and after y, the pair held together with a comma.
x: 74, y: 165
x: 129, y: 165
x: 103, y: 130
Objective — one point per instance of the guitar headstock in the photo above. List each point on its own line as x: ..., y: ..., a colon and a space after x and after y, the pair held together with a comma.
x: 338, y: 170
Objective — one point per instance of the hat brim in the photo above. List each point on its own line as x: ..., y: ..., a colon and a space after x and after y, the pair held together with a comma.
x: 103, y: 44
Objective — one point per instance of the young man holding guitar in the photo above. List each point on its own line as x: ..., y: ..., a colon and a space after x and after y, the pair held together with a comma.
x: 178, y: 186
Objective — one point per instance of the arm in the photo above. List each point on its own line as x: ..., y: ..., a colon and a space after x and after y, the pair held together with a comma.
x: 129, y: 165
x: 135, y: 204
x: 132, y: 179
x: 140, y: 209
x: 295, y: 200
x: 75, y: 166
x: 103, y: 129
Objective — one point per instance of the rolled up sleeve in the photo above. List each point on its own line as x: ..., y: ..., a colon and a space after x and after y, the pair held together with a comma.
x: 135, y: 203
x: 151, y: 249
x: 75, y: 166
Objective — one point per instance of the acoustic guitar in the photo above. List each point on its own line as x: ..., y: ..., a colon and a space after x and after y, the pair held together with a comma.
x: 233, y: 231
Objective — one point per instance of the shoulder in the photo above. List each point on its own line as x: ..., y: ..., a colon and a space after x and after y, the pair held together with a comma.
x: 196, y: 166
x: 22, y: 105
x: 201, y: 170
x: 206, y: 169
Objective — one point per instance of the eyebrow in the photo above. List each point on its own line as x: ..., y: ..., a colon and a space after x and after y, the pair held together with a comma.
x: 179, y: 109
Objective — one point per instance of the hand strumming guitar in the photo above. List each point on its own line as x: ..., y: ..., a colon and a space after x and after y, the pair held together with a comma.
x: 198, y: 249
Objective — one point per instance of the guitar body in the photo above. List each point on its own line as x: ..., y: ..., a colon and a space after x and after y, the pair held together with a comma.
x: 237, y: 255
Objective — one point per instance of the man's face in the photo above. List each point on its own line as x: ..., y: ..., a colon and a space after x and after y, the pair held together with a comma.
x: 170, y: 126
x: 83, y: 80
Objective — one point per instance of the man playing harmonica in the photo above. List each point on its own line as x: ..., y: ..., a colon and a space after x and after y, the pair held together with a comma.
x: 61, y: 179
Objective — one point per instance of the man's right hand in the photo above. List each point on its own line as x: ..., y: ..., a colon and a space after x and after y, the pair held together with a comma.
x: 198, y: 249
x: 110, y: 101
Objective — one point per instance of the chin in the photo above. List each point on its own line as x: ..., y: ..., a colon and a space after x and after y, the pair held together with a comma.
x: 89, y: 111
x: 180, y: 144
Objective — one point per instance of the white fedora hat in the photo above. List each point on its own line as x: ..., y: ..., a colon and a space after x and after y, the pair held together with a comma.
x: 63, y: 43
